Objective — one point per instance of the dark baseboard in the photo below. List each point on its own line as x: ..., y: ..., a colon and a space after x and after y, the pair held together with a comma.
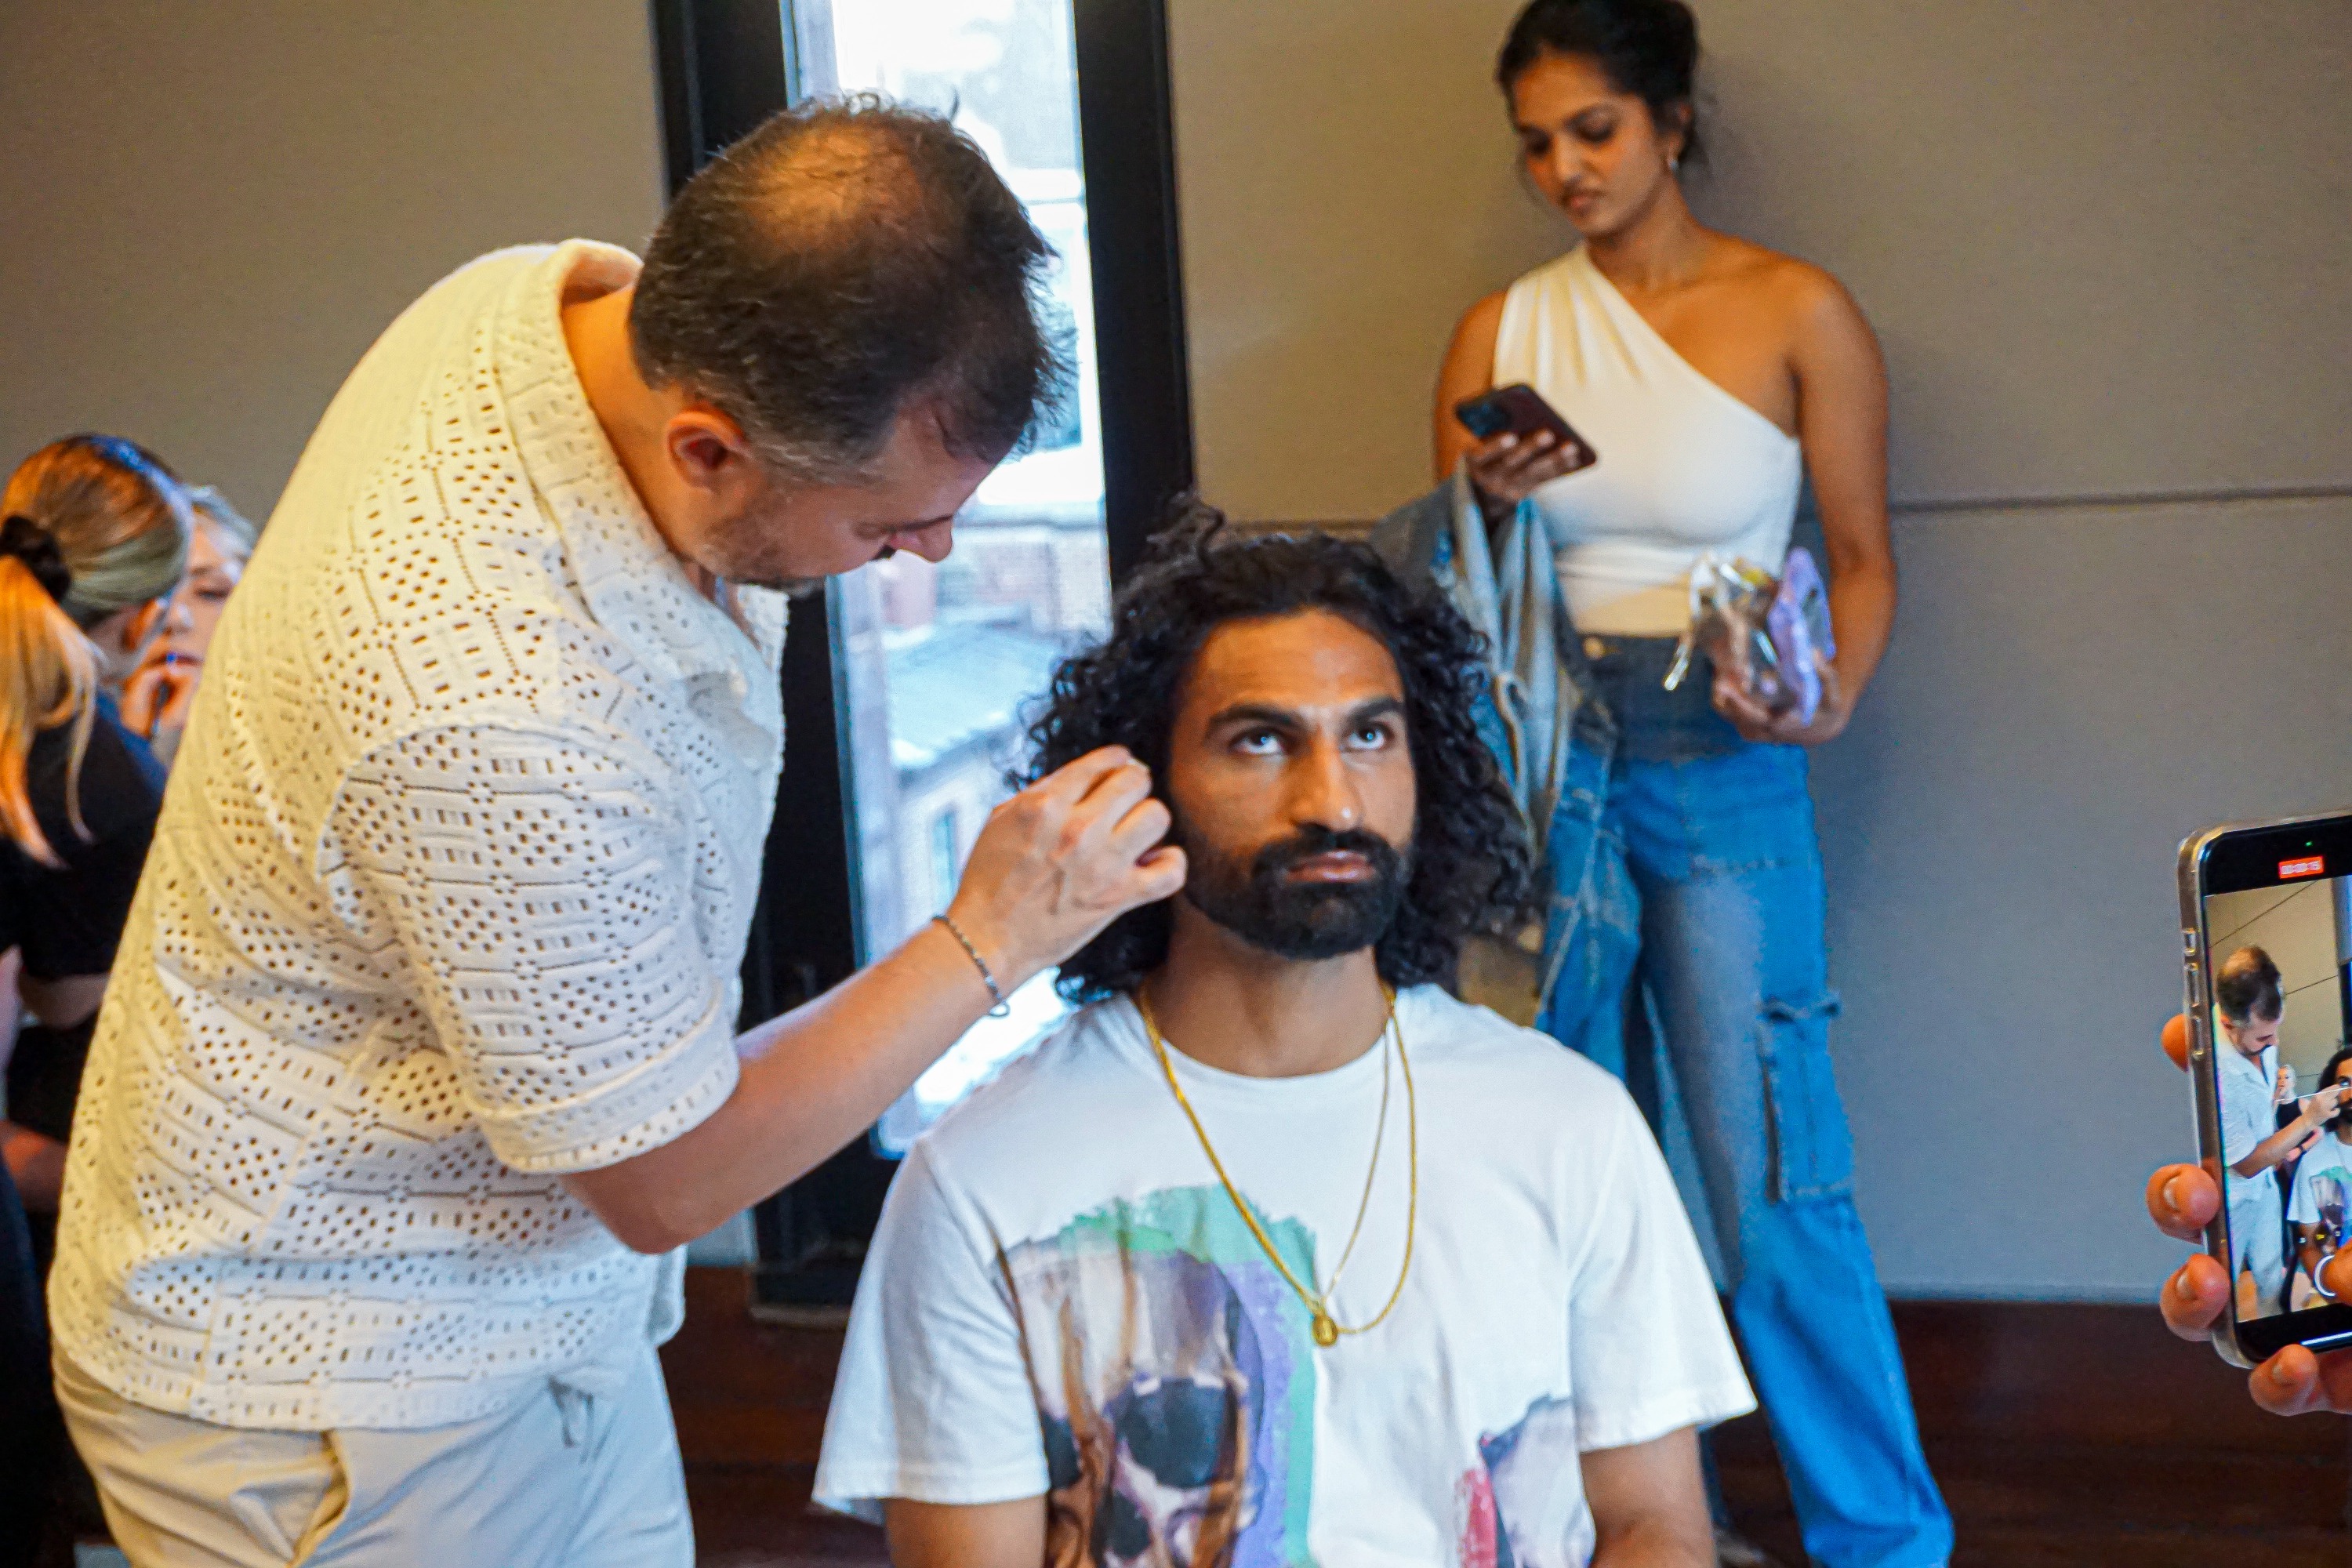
x: 2063, y: 1436
x: 2097, y: 1376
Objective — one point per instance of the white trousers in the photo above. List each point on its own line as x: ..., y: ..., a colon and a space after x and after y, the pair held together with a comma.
x: 2256, y: 1217
x: 583, y: 1473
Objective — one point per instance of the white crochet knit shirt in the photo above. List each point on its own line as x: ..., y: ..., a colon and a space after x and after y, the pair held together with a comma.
x: 449, y: 896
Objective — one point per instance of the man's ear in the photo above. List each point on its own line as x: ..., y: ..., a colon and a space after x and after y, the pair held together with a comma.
x: 707, y: 449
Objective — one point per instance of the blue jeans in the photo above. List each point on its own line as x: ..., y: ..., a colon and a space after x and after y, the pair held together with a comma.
x: 1688, y: 890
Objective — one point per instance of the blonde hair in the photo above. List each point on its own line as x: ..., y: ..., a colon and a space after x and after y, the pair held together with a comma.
x: 121, y: 518
x: 120, y: 522
x: 235, y: 529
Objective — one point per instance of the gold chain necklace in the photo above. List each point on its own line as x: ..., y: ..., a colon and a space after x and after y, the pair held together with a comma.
x: 1327, y: 1328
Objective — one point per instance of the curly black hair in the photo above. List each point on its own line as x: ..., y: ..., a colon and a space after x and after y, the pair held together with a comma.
x: 1471, y: 863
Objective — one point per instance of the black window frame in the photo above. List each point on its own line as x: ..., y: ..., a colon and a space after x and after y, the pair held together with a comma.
x: 723, y: 66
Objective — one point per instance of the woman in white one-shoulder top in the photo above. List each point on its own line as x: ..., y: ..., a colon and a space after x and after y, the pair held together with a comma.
x: 1711, y: 376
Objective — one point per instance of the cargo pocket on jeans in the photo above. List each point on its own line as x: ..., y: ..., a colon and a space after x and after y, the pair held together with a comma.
x: 1811, y: 1150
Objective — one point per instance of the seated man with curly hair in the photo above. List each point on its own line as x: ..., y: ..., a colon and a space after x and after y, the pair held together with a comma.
x: 1277, y: 1254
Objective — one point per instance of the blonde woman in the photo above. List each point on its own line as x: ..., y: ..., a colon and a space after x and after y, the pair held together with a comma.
x: 93, y: 539
x: 93, y: 546
x: 156, y: 697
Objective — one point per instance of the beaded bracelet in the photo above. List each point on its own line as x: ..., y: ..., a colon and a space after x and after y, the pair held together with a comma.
x: 1003, y: 1007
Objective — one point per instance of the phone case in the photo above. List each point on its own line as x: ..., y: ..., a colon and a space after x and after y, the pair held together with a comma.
x: 1762, y: 630
x: 1521, y: 407
x: 2197, y: 1002
x: 1797, y: 627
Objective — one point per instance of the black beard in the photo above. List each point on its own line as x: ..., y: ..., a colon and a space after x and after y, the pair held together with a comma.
x: 1303, y: 921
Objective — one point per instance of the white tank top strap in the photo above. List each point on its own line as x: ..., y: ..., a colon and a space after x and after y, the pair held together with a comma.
x: 1686, y: 467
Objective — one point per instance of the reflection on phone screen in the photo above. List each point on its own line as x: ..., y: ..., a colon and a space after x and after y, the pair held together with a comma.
x: 2278, y: 967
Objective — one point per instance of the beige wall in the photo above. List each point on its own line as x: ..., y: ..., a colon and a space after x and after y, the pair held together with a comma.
x: 208, y: 211
x: 2106, y: 244
x: 1346, y: 192
x: 1999, y: 828
x: 2108, y: 248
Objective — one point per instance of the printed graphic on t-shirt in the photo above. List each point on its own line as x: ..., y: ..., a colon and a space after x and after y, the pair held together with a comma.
x: 1174, y: 1372
x: 1520, y: 1506
x: 2323, y: 1182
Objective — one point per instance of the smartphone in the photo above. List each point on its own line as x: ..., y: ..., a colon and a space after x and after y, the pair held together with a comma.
x: 2267, y: 906
x: 1521, y: 410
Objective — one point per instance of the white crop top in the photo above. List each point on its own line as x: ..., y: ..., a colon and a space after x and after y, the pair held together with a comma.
x: 1686, y: 467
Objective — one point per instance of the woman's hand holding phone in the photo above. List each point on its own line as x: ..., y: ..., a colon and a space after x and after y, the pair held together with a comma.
x: 1523, y: 444
x: 2182, y: 1200
x: 1507, y: 468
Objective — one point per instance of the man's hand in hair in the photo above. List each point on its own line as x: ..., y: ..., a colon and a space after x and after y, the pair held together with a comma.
x: 2182, y: 1200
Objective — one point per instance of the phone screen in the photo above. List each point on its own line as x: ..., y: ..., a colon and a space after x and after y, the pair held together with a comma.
x: 2276, y: 911
x: 1521, y: 410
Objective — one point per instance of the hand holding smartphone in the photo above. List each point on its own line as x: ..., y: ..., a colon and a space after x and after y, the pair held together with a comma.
x: 1520, y: 410
x: 2261, y: 903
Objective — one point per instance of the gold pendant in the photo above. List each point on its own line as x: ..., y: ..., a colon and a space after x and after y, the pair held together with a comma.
x: 1327, y: 1333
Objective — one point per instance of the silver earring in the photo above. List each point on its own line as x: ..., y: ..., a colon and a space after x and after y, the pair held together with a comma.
x: 1674, y: 163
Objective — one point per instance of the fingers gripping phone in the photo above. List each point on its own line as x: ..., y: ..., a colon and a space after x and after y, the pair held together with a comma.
x: 1519, y: 409
x: 2266, y: 944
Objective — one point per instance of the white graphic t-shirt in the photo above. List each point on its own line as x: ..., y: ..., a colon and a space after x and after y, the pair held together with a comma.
x: 1062, y: 1300
x: 2323, y: 1188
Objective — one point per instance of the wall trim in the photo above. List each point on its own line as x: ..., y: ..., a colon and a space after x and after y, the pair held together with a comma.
x: 2122, y: 501
x: 2125, y: 501
x: 1988, y: 1294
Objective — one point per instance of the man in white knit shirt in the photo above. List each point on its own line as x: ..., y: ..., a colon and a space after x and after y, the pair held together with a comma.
x: 418, y: 1063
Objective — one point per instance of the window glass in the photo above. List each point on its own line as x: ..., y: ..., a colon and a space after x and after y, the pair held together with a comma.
x: 942, y: 665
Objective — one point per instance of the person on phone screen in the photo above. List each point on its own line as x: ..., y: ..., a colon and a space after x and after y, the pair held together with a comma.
x: 2323, y: 1185
x: 1710, y: 377
x: 2182, y: 1199
x: 2247, y: 1004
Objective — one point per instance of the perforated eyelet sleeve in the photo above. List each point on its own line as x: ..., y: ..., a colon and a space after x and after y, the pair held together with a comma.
x: 538, y: 882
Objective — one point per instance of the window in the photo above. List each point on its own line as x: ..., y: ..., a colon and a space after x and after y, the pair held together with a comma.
x: 907, y: 700
x: 957, y: 653
x: 946, y: 858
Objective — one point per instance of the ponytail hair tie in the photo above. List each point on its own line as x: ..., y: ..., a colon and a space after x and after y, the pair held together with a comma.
x: 26, y: 541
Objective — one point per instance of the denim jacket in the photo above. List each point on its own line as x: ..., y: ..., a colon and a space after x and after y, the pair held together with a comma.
x: 1555, y: 749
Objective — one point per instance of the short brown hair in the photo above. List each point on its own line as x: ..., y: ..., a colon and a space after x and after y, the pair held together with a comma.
x: 2246, y: 987
x: 846, y: 259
